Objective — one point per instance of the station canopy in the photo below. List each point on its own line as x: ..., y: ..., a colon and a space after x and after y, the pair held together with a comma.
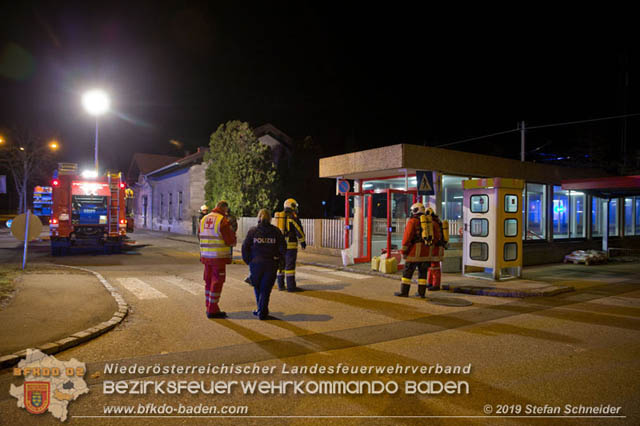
x: 606, y: 187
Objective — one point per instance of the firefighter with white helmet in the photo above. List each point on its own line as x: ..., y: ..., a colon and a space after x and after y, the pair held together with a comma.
x: 416, y: 234
x: 290, y: 225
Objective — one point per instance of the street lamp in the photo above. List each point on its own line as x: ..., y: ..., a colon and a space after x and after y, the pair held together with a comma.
x: 96, y: 102
x: 53, y: 145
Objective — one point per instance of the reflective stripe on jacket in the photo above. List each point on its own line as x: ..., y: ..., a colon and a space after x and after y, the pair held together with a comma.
x: 212, y: 244
x: 294, y: 233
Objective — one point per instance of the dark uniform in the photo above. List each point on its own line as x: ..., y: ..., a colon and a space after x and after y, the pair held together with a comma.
x: 262, y: 250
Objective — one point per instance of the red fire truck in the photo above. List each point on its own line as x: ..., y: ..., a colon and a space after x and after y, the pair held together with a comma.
x: 87, y: 212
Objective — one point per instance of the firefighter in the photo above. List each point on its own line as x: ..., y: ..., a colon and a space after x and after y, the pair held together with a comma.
x: 262, y: 250
x: 290, y: 225
x: 415, y: 253
x: 440, y: 240
x: 216, y: 242
x: 204, y: 210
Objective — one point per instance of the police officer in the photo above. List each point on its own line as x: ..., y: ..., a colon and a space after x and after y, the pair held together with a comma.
x: 262, y: 250
x: 290, y: 225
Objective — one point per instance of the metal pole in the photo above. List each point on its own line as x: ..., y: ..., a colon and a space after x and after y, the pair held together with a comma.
x: 522, y: 141
x: 26, y: 240
x: 96, y: 148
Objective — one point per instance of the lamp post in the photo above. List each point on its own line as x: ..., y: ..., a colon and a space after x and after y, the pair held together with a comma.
x: 96, y: 102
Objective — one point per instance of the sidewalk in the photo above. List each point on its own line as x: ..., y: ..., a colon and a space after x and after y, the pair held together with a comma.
x: 55, y: 308
x: 456, y: 283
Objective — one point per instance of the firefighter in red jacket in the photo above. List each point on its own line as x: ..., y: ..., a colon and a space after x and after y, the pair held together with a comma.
x: 421, y: 247
x: 216, y: 241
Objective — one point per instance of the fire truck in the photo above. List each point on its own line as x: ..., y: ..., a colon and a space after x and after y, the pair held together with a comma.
x: 87, y: 211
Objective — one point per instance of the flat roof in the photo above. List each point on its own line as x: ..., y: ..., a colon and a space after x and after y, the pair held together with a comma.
x: 393, y: 160
x: 606, y: 187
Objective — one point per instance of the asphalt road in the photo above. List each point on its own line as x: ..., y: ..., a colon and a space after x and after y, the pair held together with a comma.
x: 574, y: 349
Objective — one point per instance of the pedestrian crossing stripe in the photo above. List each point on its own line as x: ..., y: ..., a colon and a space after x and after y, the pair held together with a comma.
x: 303, y: 276
x: 140, y: 289
x: 186, y: 285
x: 351, y: 275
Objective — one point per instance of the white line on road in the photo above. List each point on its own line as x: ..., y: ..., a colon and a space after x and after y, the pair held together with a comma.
x: 186, y: 285
x: 351, y: 275
x: 140, y: 289
x: 302, y: 276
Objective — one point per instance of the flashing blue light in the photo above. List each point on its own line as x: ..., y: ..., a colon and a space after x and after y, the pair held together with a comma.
x: 9, y: 222
x: 324, y: 202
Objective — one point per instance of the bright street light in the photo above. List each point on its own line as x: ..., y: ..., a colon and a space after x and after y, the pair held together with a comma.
x: 53, y: 145
x: 96, y: 102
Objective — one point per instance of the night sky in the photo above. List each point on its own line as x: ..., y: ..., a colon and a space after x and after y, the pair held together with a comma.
x: 350, y: 77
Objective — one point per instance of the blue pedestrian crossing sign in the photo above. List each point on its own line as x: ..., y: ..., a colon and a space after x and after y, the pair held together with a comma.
x: 424, y: 180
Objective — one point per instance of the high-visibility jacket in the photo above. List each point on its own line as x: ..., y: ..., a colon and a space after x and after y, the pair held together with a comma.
x: 216, y: 238
x: 293, y: 232
x: 414, y: 248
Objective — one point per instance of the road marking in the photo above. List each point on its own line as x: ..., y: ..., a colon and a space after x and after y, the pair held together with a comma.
x: 302, y: 276
x: 140, y: 289
x: 351, y: 275
x: 316, y: 268
x: 186, y: 285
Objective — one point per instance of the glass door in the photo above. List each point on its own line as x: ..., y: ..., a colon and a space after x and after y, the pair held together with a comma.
x: 358, y: 225
x: 398, y: 212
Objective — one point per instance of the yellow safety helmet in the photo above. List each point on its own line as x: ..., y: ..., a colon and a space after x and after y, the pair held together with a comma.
x: 417, y: 208
x: 291, y: 204
x: 204, y: 208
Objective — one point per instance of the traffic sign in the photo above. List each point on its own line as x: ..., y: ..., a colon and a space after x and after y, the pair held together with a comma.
x: 343, y: 186
x: 424, y: 179
x: 19, y: 224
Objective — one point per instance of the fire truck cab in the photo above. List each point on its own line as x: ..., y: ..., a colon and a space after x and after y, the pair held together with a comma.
x: 87, y: 212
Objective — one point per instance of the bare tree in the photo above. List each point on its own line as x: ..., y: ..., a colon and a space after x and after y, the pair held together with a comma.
x: 27, y: 157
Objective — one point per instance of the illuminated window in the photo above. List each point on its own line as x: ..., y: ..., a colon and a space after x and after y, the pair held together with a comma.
x: 511, y: 227
x: 479, y: 227
x: 613, y: 217
x: 598, y: 206
x: 479, y: 203
x: 511, y: 203
x: 637, y: 215
x: 577, y: 209
x: 628, y: 216
x: 535, y: 213
x: 561, y: 211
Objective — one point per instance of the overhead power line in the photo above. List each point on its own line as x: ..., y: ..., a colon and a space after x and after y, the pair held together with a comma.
x: 567, y: 123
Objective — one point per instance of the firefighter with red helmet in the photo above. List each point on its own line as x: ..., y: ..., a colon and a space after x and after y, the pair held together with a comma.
x: 423, y: 249
x: 290, y: 225
x: 217, y: 239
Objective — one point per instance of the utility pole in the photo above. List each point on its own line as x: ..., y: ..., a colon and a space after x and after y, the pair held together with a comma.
x: 522, y: 141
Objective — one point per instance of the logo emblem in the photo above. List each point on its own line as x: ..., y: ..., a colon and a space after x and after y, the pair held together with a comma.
x: 36, y: 396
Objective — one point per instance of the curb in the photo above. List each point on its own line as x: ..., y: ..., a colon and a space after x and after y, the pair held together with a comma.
x: 81, y: 336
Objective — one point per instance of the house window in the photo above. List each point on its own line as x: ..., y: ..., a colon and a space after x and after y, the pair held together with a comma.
x: 170, y: 206
x: 161, y: 206
x: 180, y: 205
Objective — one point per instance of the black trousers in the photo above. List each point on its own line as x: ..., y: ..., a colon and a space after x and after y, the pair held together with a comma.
x: 263, y: 277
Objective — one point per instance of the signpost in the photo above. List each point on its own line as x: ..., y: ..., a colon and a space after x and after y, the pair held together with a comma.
x: 343, y: 187
x: 424, y: 180
x: 26, y: 227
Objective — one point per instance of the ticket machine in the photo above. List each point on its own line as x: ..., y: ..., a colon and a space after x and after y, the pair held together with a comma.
x: 492, y: 230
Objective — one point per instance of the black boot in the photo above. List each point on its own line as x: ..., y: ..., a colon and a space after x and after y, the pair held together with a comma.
x: 422, y: 291
x: 404, y: 291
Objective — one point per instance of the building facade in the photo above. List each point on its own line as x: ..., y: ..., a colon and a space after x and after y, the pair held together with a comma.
x: 554, y: 221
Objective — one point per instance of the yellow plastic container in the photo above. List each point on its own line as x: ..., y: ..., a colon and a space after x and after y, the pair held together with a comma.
x: 375, y: 263
x: 389, y: 265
